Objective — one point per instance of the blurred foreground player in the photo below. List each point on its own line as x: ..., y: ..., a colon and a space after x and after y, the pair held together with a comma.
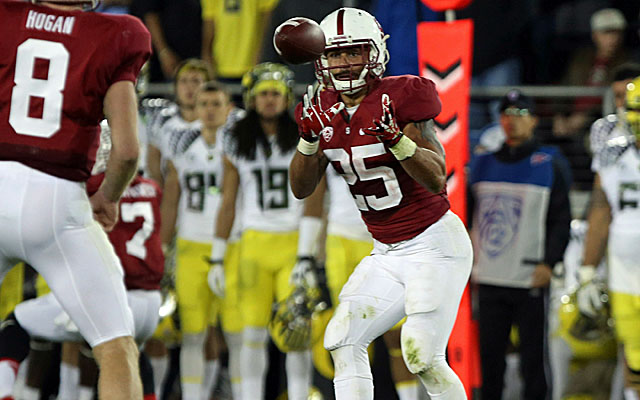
x: 613, y: 229
x: 378, y: 134
x: 64, y: 70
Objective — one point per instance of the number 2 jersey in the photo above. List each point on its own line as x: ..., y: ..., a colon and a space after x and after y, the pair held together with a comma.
x: 136, y: 235
x: 393, y: 205
x: 56, y: 69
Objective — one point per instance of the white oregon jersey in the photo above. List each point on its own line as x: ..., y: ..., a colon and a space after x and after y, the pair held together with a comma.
x: 199, y: 168
x: 268, y: 204
x: 344, y: 217
x: 606, y: 133
x: 620, y: 180
x: 172, y: 131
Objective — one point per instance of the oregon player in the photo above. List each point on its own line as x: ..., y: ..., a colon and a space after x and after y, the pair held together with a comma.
x: 257, y: 159
x: 191, y: 201
x: 613, y: 225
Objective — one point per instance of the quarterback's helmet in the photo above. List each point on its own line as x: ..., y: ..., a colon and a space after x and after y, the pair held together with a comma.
x: 588, y: 337
x: 633, y: 106
x: 87, y: 4
x: 351, y: 27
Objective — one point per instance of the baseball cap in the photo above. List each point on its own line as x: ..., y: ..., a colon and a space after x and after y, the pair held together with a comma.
x: 608, y: 19
x: 515, y: 98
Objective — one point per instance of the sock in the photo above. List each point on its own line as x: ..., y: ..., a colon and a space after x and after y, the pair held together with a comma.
x: 69, y: 380
x: 234, y: 344
x: 85, y: 393
x: 253, y: 362
x: 8, y: 372
x: 407, y: 390
x: 29, y: 393
x: 211, y: 372
x: 299, y: 370
x: 159, y: 365
x: 192, y: 365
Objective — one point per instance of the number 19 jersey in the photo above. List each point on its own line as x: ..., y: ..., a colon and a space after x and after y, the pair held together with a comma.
x: 268, y: 204
x: 56, y: 69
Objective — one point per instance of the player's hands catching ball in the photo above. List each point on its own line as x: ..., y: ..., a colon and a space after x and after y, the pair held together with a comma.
x: 386, y: 128
x: 105, y: 212
x: 314, y: 118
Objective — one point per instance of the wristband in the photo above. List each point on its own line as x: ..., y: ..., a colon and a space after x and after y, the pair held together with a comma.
x: 308, y: 148
x: 405, y: 148
x: 308, y: 233
x: 218, y: 248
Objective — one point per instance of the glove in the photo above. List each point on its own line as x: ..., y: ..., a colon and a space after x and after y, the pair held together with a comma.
x: 588, y: 294
x: 314, y: 119
x: 215, y: 278
x: 304, y: 273
x: 386, y: 129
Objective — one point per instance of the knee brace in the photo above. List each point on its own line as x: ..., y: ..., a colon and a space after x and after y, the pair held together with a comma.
x: 14, y: 340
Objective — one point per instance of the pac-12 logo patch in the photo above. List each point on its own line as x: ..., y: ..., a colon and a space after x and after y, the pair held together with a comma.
x: 499, y: 222
x: 327, y: 133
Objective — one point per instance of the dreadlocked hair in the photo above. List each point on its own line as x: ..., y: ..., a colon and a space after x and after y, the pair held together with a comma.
x: 248, y: 134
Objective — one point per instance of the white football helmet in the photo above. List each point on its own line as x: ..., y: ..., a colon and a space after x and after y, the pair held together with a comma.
x: 87, y: 4
x: 351, y: 27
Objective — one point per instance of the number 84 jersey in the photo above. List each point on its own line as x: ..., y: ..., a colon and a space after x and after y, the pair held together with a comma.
x: 393, y: 205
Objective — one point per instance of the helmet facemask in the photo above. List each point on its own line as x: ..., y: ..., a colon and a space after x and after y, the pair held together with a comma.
x: 348, y: 28
x: 372, y: 67
x: 633, y: 108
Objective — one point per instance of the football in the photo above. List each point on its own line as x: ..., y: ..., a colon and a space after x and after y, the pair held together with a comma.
x: 299, y: 40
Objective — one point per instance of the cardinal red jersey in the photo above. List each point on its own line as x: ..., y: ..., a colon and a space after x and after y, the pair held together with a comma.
x: 393, y: 205
x: 136, y: 236
x: 55, y: 70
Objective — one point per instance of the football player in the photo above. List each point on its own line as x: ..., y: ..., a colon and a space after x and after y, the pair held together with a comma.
x: 192, y: 198
x: 64, y: 70
x: 378, y: 134
x: 257, y: 157
x: 613, y: 227
x: 136, y: 240
x: 168, y: 125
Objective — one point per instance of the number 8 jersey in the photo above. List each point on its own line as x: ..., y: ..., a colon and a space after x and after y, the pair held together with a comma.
x: 52, y: 84
x: 393, y: 205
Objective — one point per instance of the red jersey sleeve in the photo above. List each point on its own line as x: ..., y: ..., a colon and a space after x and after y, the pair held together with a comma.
x: 134, y: 44
x: 416, y: 100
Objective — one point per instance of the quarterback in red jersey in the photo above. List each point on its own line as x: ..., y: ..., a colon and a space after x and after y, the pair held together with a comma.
x: 63, y: 71
x: 378, y: 134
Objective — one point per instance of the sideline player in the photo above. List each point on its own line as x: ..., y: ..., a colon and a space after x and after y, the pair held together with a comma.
x: 57, y: 87
x: 378, y: 134
x: 191, y: 201
x: 613, y: 228
x: 257, y: 157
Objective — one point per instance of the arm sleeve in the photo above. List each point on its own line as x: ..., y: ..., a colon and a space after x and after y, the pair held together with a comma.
x: 135, y: 50
x: 558, y: 223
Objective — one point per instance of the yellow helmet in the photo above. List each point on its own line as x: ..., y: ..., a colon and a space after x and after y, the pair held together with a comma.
x: 633, y: 106
x: 267, y: 75
x: 589, y: 338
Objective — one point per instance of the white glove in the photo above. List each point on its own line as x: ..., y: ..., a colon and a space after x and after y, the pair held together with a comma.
x: 215, y: 279
x: 304, y: 273
x: 588, y: 294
